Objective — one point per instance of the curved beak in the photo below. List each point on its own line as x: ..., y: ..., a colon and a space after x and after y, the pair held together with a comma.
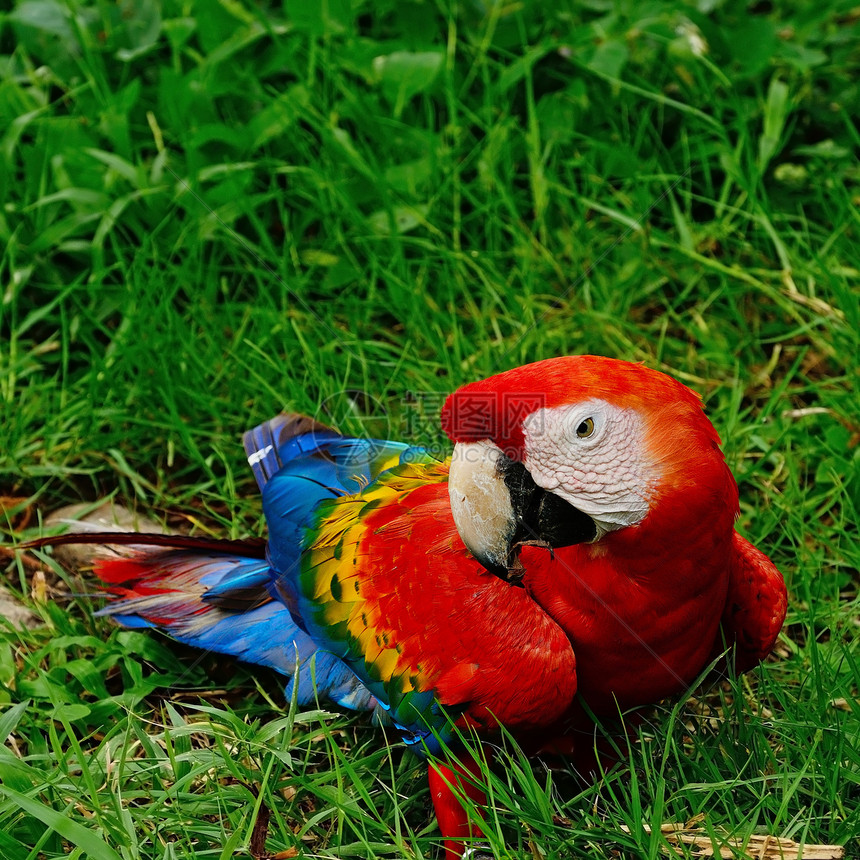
x: 498, y: 508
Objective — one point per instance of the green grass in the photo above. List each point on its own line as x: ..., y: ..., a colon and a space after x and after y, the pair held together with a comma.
x: 212, y: 211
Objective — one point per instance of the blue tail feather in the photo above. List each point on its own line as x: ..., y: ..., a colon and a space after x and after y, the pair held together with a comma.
x: 221, y: 603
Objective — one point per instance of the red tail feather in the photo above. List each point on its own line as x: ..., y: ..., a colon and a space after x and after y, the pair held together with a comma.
x: 116, y: 571
x: 248, y: 547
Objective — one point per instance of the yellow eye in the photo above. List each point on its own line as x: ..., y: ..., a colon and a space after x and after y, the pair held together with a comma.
x: 585, y: 428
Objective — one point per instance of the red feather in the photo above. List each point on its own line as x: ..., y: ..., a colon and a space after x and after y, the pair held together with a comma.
x: 249, y: 547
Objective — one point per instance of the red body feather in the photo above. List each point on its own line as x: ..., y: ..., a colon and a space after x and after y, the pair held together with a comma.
x: 480, y: 643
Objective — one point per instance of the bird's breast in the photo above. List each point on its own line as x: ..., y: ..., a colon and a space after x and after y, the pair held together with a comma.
x: 637, y: 638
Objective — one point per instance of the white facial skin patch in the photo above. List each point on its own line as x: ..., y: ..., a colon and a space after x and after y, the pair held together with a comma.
x: 592, y: 455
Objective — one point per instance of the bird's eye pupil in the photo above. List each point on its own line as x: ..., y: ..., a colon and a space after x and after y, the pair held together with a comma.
x: 585, y: 428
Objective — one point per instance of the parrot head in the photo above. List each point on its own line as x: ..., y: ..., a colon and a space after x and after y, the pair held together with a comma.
x: 575, y: 450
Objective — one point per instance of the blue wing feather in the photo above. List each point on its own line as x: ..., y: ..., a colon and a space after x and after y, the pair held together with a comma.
x: 234, y: 605
x: 299, y: 463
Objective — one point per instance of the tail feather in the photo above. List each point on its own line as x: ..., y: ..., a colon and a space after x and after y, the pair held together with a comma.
x: 221, y: 602
x: 247, y: 547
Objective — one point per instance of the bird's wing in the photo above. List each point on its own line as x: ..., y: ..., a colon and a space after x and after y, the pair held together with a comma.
x: 300, y: 463
x: 295, y: 444
x: 221, y: 601
x: 755, y: 605
x: 385, y: 584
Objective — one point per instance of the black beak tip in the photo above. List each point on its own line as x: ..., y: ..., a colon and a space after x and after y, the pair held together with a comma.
x: 492, y: 566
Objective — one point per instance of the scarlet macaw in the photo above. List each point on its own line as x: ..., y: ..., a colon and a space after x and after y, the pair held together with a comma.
x: 582, y: 532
